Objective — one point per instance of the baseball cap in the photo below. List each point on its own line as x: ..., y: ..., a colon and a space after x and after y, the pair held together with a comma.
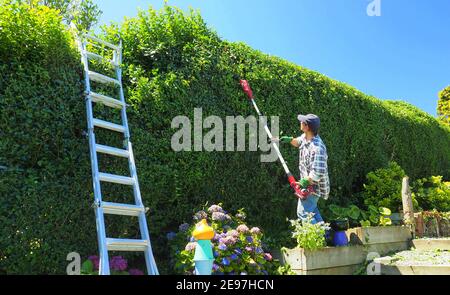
x: 311, y: 120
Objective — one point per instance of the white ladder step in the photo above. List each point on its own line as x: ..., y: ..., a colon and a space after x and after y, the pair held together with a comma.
x: 112, y: 46
x: 106, y: 100
x: 91, y: 55
x: 112, y: 151
x: 116, y: 179
x: 97, y: 77
x: 108, y: 125
x: 122, y: 209
x: 126, y: 244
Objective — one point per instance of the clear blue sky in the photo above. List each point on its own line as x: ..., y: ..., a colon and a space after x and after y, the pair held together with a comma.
x: 404, y: 54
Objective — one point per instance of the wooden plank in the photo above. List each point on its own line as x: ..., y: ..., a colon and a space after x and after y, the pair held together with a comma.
x: 378, y: 234
x: 432, y: 244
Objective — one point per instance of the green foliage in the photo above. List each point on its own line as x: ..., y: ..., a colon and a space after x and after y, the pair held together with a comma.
x: 443, y: 108
x: 237, y: 248
x: 309, y: 236
x: 384, y: 186
x: 83, y: 13
x: 355, y: 216
x: 172, y: 63
x: 432, y: 193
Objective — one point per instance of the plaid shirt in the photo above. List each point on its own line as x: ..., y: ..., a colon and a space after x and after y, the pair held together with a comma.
x: 313, y: 163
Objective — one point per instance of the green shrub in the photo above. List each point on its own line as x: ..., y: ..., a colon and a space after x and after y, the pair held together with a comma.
x: 384, y: 187
x: 432, y: 193
x: 309, y: 236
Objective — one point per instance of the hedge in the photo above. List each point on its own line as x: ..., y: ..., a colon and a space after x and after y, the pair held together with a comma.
x: 173, y: 63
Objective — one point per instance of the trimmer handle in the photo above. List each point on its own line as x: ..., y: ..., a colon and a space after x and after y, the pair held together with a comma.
x: 297, y: 190
x: 246, y: 87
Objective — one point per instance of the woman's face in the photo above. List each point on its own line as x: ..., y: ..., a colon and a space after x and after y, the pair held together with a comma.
x: 304, y: 127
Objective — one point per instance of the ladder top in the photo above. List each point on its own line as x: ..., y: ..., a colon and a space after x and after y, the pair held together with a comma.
x: 112, y: 46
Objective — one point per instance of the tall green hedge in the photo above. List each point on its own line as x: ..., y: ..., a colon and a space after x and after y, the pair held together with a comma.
x: 173, y: 63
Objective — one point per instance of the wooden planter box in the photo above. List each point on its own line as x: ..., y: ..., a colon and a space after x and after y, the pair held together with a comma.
x: 432, y: 244
x: 381, y: 239
x: 327, y: 261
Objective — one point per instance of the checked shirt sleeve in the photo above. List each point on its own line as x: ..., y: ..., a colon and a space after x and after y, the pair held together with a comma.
x: 319, y: 164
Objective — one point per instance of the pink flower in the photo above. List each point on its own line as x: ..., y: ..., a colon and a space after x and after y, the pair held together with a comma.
x: 190, y: 246
x: 233, y: 233
x: 268, y: 256
x: 255, y: 231
x: 242, y: 229
x: 135, y: 272
x: 95, y: 260
x: 118, y: 263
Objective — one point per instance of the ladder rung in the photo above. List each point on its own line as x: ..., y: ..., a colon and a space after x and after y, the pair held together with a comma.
x: 97, y: 77
x: 116, y: 179
x: 111, y: 151
x: 112, y: 46
x: 126, y: 244
x: 122, y: 209
x: 106, y: 100
x: 96, y: 56
x: 108, y: 125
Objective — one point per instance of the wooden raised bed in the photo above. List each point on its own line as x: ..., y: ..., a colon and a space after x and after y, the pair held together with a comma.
x: 381, y: 239
x: 326, y: 261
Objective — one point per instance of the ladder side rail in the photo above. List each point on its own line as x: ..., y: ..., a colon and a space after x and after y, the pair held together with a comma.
x: 100, y: 223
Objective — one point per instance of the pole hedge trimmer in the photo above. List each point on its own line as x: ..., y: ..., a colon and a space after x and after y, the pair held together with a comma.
x: 298, y: 191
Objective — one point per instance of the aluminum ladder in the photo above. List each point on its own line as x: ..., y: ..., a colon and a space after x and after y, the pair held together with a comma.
x: 106, y: 244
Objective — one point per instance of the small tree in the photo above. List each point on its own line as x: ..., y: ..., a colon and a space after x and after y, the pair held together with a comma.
x: 443, y: 108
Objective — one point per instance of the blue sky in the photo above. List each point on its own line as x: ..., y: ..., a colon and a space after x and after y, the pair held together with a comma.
x: 403, y: 54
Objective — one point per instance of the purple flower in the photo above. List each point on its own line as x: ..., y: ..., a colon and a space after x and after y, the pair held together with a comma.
x: 233, y: 233
x: 249, y: 249
x: 233, y: 257
x: 170, y: 236
x: 192, y: 240
x: 216, y: 237
x: 222, y: 247
x: 255, y: 231
x: 190, y: 246
x: 242, y: 229
x: 225, y: 261
x: 238, y: 251
x: 219, y: 216
x: 118, y: 263
x: 215, y: 267
x: 259, y: 250
x: 183, y: 227
x: 200, y: 215
x: 95, y: 261
x: 216, y: 254
x: 215, y: 208
x: 135, y: 272
x: 267, y: 256
x: 249, y: 239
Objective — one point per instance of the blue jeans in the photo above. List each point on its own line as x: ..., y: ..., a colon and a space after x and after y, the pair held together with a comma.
x: 309, y: 206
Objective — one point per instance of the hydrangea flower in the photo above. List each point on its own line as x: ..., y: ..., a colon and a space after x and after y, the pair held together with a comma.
x: 215, y: 267
x: 136, y: 272
x: 222, y: 247
x: 233, y: 257
x: 241, y: 216
x: 95, y: 261
x: 190, y: 246
x: 233, y: 233
x: 255, y: 231
x: 118, y: 263
x: 225, y: 261
x: 259, y: 250
x: 249, y: 249
x: 215, y: 208
x: 267, y: 256
x: 183, y: 227
x: 200, y: 215
x: 238, y: 251
x: 242, y: 229
x: 249, y: 239
x: 219, y: 216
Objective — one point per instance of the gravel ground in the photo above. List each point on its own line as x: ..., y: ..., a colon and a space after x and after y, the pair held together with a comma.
x: 416, y: 257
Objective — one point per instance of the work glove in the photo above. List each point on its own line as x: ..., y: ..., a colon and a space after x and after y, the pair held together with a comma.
x: 286, y: 139
x: 304, y: 183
